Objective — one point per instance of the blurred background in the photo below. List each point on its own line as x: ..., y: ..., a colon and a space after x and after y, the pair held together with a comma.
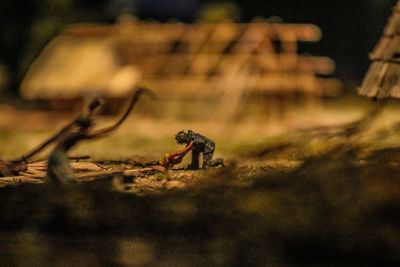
x: 294, y: 64
x: 350, y: 28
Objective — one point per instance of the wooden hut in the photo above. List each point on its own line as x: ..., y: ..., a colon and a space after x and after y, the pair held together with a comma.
x: 383, y: 77
x: 218, y: 63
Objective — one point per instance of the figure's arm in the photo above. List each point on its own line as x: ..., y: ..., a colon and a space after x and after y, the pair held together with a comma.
x: 135, y: 98
x: 183, y: 151
x: 168, y: 160
x: 177, y: 157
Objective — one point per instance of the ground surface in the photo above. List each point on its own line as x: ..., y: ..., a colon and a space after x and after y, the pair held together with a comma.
x: 312, y: 190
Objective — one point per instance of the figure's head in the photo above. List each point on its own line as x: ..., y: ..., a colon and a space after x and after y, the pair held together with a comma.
x: 182, y: 137
x: 83, y: 122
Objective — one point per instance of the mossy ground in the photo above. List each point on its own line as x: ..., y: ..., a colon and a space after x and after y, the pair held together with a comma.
x: 288, y: 197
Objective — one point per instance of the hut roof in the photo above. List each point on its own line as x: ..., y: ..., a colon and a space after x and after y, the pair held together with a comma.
x: 73, y: 66
x: 383, y: 76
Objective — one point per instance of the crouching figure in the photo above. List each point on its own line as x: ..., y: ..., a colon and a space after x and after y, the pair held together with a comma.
x: 200, y: 144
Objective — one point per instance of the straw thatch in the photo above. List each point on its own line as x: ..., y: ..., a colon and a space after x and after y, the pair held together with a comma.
x: 383, y: 77
x: 72, y: 66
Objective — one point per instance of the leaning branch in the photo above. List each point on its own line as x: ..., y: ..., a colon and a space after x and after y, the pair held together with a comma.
x: 93, y: 105
x: 135, y: 98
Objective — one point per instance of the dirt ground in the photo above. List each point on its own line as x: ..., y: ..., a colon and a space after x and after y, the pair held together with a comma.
x: 314, y: 189
x: 142, y: 135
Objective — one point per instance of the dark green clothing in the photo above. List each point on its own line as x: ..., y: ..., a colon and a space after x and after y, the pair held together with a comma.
x: 201, y: 144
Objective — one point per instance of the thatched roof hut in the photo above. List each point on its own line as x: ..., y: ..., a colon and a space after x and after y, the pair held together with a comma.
x: 222, y: 63
x: 383, y: 77
x: 176, y: 57
x: 76, y: 64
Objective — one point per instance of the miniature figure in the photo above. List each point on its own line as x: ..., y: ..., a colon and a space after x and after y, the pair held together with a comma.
x: 200, y: 144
